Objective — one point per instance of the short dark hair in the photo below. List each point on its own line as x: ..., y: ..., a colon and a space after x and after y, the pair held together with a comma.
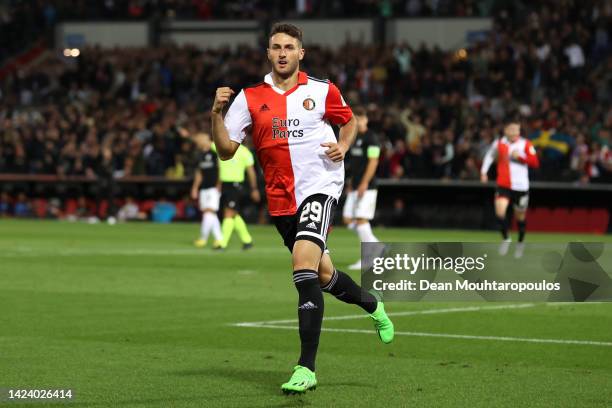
x: 512, y: 119
x: 288, y: 29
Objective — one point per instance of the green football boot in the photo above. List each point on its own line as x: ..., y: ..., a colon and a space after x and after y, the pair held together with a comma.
x: 382, y: 323
x: 301, y: 381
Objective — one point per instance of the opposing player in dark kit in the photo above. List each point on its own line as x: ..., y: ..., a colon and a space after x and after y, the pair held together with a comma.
x: 360, y: 205
x: 206, y: 188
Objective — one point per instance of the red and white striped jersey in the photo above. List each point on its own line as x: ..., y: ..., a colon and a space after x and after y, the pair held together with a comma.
x: 288, y: 128
x: 511, y: 173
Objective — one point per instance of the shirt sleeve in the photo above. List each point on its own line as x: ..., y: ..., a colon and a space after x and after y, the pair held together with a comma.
x: 529, y: 156
x: 373, y: 151
x: 337, y: 111
x: 489, y: 158
x: 238, y: 118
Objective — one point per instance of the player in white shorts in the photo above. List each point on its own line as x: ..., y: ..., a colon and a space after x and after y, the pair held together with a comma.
x: 206, y: 188
x: 360, y: 205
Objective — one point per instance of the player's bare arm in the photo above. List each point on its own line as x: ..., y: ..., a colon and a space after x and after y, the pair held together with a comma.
x: 337, y: 151
x: 367, y: 176
x: 197, y: 181
x: 226, y: 148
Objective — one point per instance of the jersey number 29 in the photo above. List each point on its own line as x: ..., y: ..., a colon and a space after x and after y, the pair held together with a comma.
x: 312, y: 210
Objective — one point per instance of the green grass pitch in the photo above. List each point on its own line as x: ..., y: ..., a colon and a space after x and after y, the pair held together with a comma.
x: 132, y: 315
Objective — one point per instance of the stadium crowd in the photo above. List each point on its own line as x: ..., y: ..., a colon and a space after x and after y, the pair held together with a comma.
x: 48, y: 12
x: 125, y: 111
x: 23, y: 22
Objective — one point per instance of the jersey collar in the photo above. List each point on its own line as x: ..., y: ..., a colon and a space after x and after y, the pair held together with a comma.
x: 302, y: 80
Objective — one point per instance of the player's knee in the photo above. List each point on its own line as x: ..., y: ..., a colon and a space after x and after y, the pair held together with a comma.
x: 305, y: 262
x: 324, y: 278
x: 361, y: 221
x: 326, y: 270
x: 501, y: 203
x: 500, y: 212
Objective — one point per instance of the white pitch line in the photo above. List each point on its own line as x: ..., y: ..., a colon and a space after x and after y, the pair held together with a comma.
x: 277, y: 324
x: 36, y: 253
x: 407, y: 313
x: 448, y: 335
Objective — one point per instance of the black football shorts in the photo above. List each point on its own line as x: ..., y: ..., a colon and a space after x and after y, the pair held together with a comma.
x: 311, y: 222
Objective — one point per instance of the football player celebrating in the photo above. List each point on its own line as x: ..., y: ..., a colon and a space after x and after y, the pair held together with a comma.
x: 289, y: 117
x: 514, y: 155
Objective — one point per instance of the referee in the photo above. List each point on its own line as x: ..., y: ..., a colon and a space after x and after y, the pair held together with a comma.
x: 231, y: 174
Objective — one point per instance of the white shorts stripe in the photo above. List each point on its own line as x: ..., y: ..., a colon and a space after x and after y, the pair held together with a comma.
x: 312, y: 234
x: 327, y: 217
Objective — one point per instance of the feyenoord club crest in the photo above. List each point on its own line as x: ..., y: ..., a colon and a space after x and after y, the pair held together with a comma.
x: 308, y: 104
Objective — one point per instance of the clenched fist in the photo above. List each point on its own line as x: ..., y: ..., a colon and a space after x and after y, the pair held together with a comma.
x: 222, y: 97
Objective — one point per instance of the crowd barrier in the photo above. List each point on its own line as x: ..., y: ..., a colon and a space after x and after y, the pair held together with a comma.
x: 553, y: 207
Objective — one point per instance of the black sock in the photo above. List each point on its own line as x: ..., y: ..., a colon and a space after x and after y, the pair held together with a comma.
x: 346, y: 289
x: 521, y: 228
x: 503, y: 227
x: 310, y: 314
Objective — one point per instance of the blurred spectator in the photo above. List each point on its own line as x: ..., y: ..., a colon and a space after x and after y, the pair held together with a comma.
x: 163, y: 211
x: 444, y: 152
x: 85, y: 211
x: 580, y: 161
x: 22, y: 207
x: 54, y: 208
x: 5, y: 204
x: 130, y: 211
x: 418, y: 162
x: 414, y: 129
x: 178, y: 170
x: 601, y: 163
x: 397, y: 159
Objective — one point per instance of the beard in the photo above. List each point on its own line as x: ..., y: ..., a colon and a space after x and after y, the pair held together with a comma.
x: 287, y: 71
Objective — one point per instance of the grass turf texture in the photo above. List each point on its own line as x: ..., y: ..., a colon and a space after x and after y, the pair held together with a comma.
x: 133, y: 316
